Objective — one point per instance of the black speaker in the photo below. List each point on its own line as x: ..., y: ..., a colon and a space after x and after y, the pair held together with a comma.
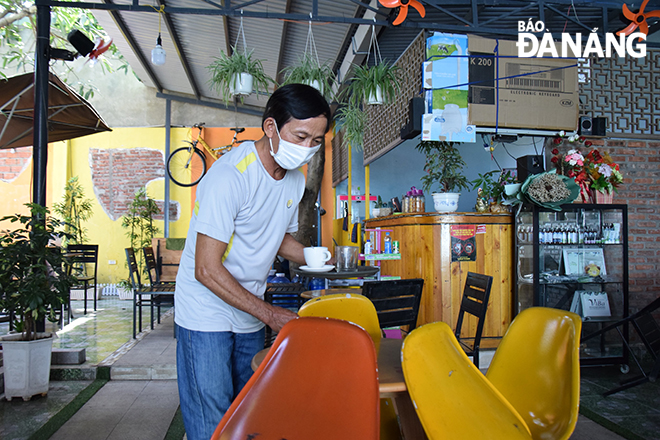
x: 529, y: 165
x: 415, y: 113
x: 80, y: 41
x: 586, y: 126
x: 599, y: 126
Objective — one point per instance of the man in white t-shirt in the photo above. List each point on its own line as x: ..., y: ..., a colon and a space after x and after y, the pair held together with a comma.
x: 245, y: 211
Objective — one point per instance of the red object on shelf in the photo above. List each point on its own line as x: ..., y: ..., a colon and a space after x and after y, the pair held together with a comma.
x: 360, y: 198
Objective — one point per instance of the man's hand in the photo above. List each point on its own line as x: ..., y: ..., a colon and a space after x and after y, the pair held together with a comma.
x: 278, y: 317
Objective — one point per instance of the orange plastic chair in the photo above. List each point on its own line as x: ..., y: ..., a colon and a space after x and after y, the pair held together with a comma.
x: 537, y: 369
x: 351, y: 307
x: 453, y: 399
x: 318, y: 381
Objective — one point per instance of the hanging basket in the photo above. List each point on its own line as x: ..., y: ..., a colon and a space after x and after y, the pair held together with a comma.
x: 241, y: 84
x: 375, y: 98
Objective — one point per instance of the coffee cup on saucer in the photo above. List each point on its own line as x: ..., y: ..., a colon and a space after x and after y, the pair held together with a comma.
x: 316, y: 256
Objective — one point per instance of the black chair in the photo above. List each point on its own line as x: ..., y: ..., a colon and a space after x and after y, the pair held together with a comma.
x: 285, y: 295
x: 155, y: 295
x: 648, y: 331
x: 80, y: 256
x: 153, y: 272
x: 475, y: 302
x: 396, y: 301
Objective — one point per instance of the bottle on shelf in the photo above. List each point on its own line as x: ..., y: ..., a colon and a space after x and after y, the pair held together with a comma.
x: 387, y: 243
x: 367, y: 247
x: 280, y: 278
x: 271, y: 276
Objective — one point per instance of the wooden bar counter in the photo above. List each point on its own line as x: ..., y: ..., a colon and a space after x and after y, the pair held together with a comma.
x: 426, y: 252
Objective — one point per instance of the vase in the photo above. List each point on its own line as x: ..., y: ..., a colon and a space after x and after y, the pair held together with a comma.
x: 445, y: 202
x: 604, y: 197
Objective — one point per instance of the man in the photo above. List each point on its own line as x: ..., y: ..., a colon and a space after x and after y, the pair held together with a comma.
x: 244, y: 214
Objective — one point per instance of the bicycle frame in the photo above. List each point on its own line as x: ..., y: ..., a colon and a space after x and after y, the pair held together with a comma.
x: 217, y: 151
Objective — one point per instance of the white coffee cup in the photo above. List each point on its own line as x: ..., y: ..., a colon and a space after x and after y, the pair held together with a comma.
x: 317, y: 256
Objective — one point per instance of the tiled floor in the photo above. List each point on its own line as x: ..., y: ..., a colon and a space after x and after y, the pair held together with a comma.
x: 136, y: 405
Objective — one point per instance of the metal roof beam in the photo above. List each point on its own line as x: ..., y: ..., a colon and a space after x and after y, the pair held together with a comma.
x: 240, y: 109
x: 508, y: 14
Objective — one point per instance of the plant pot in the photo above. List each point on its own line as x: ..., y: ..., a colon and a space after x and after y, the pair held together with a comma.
x: 375, y: 98
x: 314, y: 83
x: 381, y: 212
x: 125, y: 293
x: 604, y: 197
x: 27, y: 365
x: 445, y: 202
x: 241, y: 84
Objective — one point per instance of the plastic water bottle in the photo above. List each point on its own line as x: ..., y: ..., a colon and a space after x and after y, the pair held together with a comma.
x: 280, y: 278
x: 367, y: 247
x: 271, y: 276
x: 388, y: 243
x: 316, y: 284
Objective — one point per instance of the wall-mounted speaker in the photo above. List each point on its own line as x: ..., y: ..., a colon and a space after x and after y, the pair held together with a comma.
x: 586, y: 126
x: 599, y: 126
x: 529, y: 165
x: 415, y: 112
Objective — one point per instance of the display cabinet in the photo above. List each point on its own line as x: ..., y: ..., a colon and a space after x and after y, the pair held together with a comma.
x: 577, y: 259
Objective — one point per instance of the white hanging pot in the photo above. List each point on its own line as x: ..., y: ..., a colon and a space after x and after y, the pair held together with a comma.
x: 241, y: 84
x: 314, y: 83
x: 26, y: 365
x: 445, y: 202
x: 375, y: 98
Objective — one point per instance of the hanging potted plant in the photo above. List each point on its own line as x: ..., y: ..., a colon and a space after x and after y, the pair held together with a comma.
x: 444, y: 170
x: 238, y: 74
x: 352, y: 121
x: 34, y: 285
x: 377, y: 84
x: 309, y: 71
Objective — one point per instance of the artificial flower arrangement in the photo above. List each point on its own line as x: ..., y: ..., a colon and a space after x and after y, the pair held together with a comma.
x: 593, y: 171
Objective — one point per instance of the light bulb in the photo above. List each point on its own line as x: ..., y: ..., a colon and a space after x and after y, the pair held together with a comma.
x: 158, y: 53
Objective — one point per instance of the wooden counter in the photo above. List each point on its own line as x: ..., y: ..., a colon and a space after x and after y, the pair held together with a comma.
x: 426, y: 252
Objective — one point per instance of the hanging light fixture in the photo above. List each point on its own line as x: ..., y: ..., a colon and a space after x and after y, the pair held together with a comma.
x: 158, y: 53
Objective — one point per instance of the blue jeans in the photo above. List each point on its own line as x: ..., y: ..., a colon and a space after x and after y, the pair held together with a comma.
x: 212, y: 368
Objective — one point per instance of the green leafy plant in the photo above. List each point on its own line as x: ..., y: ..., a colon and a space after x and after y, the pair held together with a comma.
x: 224, y: 68
x: 140, y: 226
x: 307, y: 71
x: 33, y: 278
x: 366, y: 80
x: 380, y: 204
x: 492, y: 184
x: 74, y: 209
x: 353, y: 122
x: 444, y: 167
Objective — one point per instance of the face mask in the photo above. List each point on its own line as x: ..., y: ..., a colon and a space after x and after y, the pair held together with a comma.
x: 291, y: 156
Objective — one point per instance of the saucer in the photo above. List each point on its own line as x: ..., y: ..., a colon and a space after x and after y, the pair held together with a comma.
x: 324, y: 268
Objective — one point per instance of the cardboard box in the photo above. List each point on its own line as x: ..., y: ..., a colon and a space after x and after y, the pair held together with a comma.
x: 534, y: 93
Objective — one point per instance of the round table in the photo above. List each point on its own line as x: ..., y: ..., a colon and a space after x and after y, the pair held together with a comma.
x: 308, y: 294
x: 362, y: 271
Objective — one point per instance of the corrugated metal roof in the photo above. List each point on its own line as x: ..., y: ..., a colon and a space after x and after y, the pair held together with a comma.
x: 279, y: 42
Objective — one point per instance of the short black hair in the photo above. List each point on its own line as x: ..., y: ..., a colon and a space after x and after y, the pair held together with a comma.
x: 297, y: 101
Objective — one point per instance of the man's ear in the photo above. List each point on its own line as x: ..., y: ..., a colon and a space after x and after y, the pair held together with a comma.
x: 269, y: 127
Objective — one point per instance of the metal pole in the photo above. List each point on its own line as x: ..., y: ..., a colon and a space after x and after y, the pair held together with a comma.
x: 40, y: 139
x: 168, y: 126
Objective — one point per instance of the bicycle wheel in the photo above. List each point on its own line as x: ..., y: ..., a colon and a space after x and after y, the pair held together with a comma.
x: 186, y: 168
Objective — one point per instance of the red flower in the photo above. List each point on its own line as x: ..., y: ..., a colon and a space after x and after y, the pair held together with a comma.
x: 557, y: 140
x: 582, y: 138
x: 555, y: 151
x: 554, y: 159
x: 588, y: 143
x: 571, y: 173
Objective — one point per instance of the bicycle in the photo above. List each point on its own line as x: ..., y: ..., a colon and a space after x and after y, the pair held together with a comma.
x: 187, y: 165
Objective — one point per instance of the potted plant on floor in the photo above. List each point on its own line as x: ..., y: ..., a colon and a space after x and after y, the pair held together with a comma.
x: 34, y: 284
x: 444, y: 169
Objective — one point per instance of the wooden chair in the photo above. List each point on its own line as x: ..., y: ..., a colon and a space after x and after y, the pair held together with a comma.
x: 452, y: 398
x: 154, y: 294
x: 648, y: 331
x: 475, y: 302
x: 80, y: 256
x: 536, y: 367
x: 318, y: 381
x: 396, y: 301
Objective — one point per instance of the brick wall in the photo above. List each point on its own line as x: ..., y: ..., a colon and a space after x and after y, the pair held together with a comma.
x: 640, y: 165
x: 118, y: 173
x: 13, y: 161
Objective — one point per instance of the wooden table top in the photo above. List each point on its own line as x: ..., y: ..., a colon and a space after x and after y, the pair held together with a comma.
x: 308, y: 294
x: 390, y: 373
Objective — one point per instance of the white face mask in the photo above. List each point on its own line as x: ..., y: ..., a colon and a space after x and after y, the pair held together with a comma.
x: 289, y: 155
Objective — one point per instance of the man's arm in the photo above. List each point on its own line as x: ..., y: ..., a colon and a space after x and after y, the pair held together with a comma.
x: 210, y: 271
x: 292, y: 250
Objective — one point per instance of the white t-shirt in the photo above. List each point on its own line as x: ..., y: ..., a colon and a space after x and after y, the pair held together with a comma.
x: 240, y: 204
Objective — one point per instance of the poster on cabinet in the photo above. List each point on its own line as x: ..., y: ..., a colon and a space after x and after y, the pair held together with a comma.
x: 463, y: 243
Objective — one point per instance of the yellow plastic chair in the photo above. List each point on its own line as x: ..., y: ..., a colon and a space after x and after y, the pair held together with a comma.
x: 537, y: 369
x: 453, y: 399
x: 350, y: 307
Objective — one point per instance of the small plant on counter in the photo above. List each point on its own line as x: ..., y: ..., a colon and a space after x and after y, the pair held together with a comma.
x: 493, y: 184
x: 444, y: 167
